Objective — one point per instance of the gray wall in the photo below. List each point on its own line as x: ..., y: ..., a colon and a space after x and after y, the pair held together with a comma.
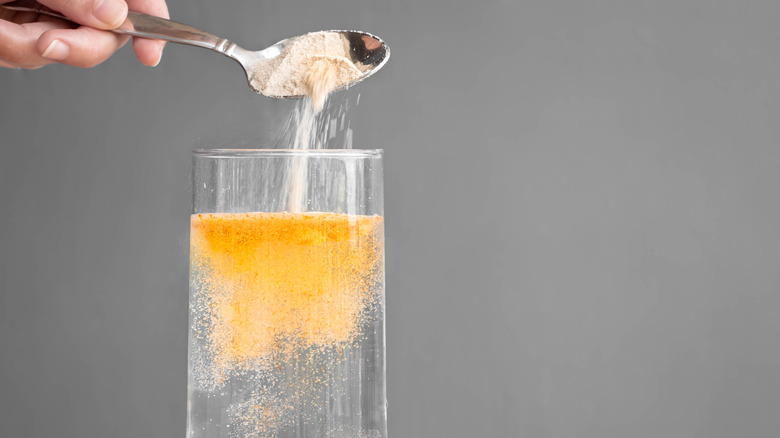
x: 582, y: 201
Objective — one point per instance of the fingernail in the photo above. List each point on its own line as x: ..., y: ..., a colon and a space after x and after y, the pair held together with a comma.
x: 159, y: 57
x: 111, y: 12
x: 57, y: 51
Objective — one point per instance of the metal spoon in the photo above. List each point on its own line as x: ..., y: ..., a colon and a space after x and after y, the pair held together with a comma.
x: 367, y: 52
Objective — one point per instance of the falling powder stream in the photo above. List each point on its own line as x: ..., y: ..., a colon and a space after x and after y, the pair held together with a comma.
x: 322, y: 65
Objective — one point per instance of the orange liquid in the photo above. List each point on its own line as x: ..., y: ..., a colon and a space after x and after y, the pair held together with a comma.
x: 273, y: 281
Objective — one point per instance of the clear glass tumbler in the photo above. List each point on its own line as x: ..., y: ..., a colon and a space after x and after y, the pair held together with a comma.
x: 287, y: 302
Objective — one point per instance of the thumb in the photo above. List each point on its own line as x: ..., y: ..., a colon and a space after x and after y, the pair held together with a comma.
x: 100, y: 14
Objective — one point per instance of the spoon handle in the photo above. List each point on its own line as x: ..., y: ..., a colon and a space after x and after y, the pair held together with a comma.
x: 143, y: 25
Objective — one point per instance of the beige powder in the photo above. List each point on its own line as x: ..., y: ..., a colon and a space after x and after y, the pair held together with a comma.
x: 320, y: 80
x: 313, y: 64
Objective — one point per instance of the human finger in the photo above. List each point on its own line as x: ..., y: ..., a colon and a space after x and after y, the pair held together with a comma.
x: 18, y: 43
x: 149, y: 51
x: 100, y: 14
x: 84, y: 47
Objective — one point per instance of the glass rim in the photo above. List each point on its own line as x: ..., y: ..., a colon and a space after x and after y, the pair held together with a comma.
x: 243, y: 153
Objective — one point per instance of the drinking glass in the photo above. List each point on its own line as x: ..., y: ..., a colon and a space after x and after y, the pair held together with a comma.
x: 286, y: 323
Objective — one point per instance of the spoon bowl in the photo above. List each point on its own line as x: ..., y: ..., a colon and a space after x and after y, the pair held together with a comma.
x: 367, y: 52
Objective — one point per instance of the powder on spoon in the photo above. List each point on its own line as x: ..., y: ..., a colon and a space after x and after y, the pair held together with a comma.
x: 313, y: 64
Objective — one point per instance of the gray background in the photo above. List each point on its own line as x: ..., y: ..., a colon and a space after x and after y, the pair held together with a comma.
x: 583, y: 209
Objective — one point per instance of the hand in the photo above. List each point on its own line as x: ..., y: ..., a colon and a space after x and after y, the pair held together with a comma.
x: 30, y: 40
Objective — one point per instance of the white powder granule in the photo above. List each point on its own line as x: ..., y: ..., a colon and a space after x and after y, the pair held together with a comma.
x: 313, y: 64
